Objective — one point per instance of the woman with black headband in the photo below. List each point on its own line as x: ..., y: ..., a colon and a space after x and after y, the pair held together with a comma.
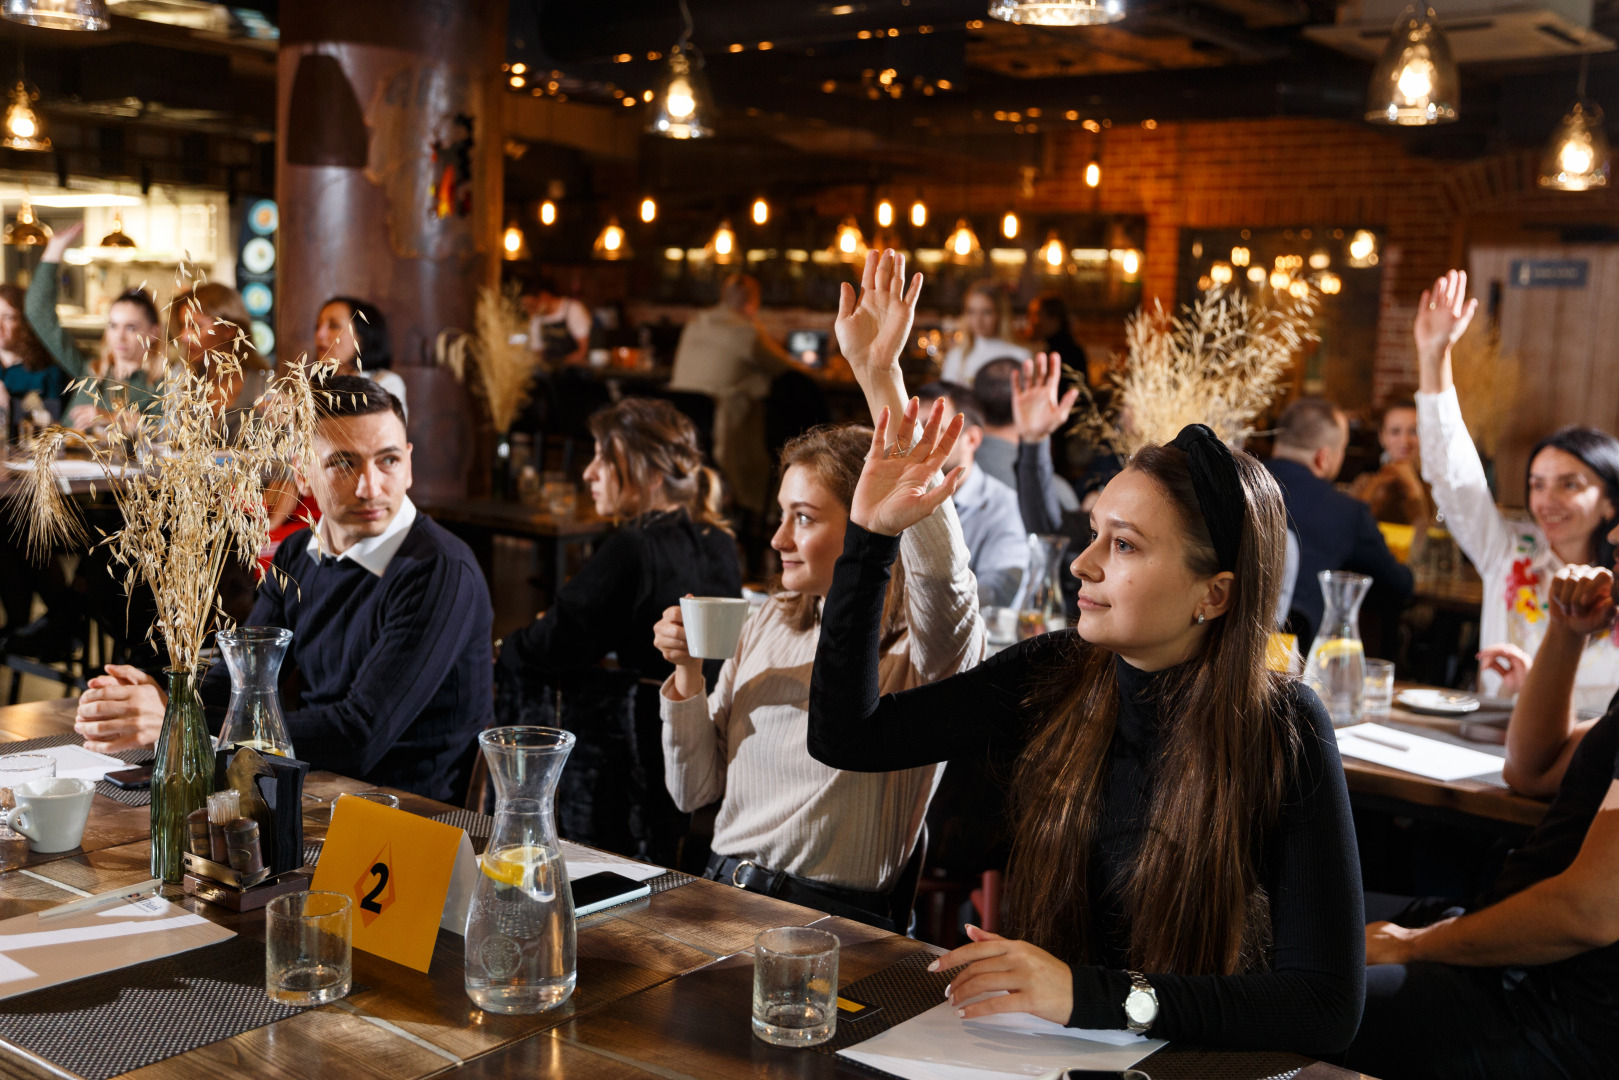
x: 1183, y: 861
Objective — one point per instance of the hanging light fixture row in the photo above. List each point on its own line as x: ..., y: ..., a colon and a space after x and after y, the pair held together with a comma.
x: 681, y: 105
x: 23, y: 130
x: 1577, y: 156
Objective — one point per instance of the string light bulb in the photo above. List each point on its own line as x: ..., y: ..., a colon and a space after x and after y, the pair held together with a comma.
x: 548, y: 213
x: 1220, y: 273
x: 919, y: 213
x: 1330, y: 283
x: 512, y: 243
x: 611, y: 244
x: 885, y: 214
x: 649, y: 210
x: 1416, y: 81
x: 1009, y: 225
x: 761, y: 211
x: 1362, y: 249
x: 722, y: 246
x: 1130, y: 263
x: 1240, y: 256
x: 1093, y: 173
x: 23, y: 129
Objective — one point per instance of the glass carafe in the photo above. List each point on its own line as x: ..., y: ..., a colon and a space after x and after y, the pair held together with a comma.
x: 254, y: 655
x: 1041, y: 607
x: 520, y: 952
x: 1336, y: 667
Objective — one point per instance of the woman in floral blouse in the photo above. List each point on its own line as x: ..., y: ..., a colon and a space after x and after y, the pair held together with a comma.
x: 1573, y: 488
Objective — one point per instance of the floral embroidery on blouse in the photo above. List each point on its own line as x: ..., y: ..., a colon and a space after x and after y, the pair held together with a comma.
x: 1523, y: 592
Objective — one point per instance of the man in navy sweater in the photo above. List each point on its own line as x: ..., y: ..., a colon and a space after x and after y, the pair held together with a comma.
x: 1335, y: 532
x: 390, y: 618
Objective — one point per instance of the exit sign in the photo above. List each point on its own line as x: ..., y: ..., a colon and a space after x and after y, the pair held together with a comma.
x: 1549, y: 273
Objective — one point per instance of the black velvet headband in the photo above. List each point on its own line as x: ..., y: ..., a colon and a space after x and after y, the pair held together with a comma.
x: 1218, y: 487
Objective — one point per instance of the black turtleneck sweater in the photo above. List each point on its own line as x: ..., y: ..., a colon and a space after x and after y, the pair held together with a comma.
x: 1308, y: 1001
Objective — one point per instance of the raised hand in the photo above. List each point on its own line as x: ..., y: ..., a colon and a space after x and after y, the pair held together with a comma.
x: 872, y: 330
x: 61, y: 241
x: 1507, y: 661
x: 1036, y: 408
x: 1442, y: 316
x: 1580, y: 599
x: 893, y: 494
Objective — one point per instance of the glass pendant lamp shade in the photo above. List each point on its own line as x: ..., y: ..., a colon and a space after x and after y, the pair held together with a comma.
x: 681, y: 106
x: 1416, y: 81
x: 722, y: 246
x: 1577, y: 156
x: 849, y: 245
x: 27, y: 230
x: 1053, y: 256
x: 1057, y: 12
x: 611, y: 245
x: 23, y: 130
x: 58, y: 14
x: 962, y: 248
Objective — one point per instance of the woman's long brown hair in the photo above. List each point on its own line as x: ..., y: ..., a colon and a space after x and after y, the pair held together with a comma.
x: 35, y: 357
x: 836, y: 454
x: 1192, y: 896
x: 647, y: 440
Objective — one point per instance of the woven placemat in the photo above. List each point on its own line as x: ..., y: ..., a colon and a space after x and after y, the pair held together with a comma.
x: 907, y: 988
x: 108, y: 1024
x: 136, y: 797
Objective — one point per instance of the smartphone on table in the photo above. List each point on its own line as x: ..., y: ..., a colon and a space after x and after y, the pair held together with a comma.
x: 131, y: 779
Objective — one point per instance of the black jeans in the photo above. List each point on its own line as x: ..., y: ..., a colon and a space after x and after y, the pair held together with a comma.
x: 1442, y: 1021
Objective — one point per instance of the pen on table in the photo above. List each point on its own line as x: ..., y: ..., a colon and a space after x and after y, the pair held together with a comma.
x: 1379, y: 740
x: 108, y: 899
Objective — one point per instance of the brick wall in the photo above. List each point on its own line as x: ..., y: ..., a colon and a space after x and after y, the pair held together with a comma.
x: 1288, y: 172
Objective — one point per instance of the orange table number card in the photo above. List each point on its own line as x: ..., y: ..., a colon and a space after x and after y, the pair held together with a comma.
x: 405, y: 874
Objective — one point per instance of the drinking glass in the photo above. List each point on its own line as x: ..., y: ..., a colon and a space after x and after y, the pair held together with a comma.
x: 795, y: 986
x: 1379, y: 689
x: 307, y: 941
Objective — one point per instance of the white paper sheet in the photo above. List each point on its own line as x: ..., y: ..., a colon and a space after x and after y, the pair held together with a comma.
x: 583, y: 861
x: 1414, y: 754
x: 75, y: 762
x: 939, y: 1045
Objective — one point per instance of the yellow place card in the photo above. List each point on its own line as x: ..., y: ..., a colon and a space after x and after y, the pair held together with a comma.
x: 1280, y: 650
x: 397, y: 869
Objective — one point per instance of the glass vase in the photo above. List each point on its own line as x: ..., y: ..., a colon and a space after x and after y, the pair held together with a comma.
x: 182, y: 772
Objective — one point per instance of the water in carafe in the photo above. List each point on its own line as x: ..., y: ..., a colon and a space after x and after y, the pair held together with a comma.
x: 1040, y: 607
x: 1336, y: 666
x: 254, y: 719
x: 520, y: 945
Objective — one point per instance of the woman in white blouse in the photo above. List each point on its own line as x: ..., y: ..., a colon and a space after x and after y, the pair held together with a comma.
x: 980, y: 323
x: 789, y: 826
x: 1573, y: 488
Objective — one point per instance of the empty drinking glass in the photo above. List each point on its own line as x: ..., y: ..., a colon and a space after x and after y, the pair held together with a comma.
x: 795, y: 986
x: 307, y: 941
x: 1379, y: 689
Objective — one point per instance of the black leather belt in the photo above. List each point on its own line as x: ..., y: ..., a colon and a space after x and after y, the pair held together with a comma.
x: 871, y: 908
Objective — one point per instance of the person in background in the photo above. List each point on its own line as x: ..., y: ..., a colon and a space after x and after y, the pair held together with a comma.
x: 130, y: 366
x: 390, y: 619
x: 788, y: 826
x: 1396, y: 492
x: 1335, y: 532
x: 997, y: 545
x: 1052, y: 334
x: 998, y: 453
x: 558, y: 325
x: 26, y: 368
x: 982, y: 336
x: 1183, y: 863
x: 355, y: 335
x: 648, y: 474
x: 725, y: 353
x: 211, y: 320
x: 1521, y: 982
x: 1573, y: 498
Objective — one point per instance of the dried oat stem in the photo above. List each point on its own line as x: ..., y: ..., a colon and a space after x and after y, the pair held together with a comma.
x: 500, y: 353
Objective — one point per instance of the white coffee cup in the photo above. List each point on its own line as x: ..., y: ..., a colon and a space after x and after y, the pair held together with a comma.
x: 713, y: 625
x: 52, y: 812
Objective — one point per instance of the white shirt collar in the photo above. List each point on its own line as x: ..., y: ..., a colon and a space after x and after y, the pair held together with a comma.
x: 374, y: 552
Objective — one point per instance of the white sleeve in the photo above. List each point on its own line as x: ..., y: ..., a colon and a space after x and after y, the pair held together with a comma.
x: 941, y: 596
x: 1451, y: 465
x: 578, y: 319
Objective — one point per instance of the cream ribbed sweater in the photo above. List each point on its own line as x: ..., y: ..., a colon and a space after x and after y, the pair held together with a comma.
x: 745, y: 742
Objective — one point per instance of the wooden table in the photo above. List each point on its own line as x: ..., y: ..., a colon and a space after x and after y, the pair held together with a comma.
x: 1395, y: 788
x: 664, y: 986
x: 479, y: 521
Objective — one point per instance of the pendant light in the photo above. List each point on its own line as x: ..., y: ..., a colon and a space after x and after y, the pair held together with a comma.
x: 27, y: 230
x: 722, y: 246
x: 1415, y: 81
x: 1053, y: 258
x: 118, y: 238
x: 513, y: 244
x: 962, y: 248
x: 681, y: 105
x: 1577, y: 156
x: 611, y: 245
x: 885, y: 214
x: 23, y: 128
x: 1057, y: 12
x: 761, y: 211
x: 1009, y: 225
x: 58, y: 14
x: 548, y: 213
x: 849, y: 245
x: 649, y: 210
x: 919, y: 214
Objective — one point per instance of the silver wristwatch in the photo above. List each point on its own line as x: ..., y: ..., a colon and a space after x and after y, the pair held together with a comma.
x: 1140, y: 1004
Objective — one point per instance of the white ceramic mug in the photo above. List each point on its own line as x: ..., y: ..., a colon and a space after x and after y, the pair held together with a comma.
x: 713, y: 625
x: 52, y: 812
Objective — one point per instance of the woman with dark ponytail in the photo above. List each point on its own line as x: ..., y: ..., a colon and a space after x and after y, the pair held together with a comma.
x: 648, y: 475
x: 1183, y: 861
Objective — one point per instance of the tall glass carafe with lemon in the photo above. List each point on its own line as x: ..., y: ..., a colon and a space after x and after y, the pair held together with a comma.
x: 520, y: 949
x: 1336, y: 667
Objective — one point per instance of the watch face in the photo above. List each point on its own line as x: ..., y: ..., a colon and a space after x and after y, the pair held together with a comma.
x: 1140, y: 1007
